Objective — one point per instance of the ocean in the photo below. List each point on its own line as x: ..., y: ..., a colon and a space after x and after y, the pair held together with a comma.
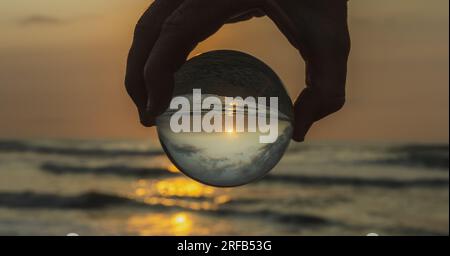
x: 126, y: 187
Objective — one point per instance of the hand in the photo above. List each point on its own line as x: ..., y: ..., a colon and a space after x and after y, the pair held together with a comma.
x: 170, y: 29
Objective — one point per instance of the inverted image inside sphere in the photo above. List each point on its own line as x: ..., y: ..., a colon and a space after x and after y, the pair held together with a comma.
x: 229, y: 157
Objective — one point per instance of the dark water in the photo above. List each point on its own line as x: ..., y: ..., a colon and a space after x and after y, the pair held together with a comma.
x: 130, y: 188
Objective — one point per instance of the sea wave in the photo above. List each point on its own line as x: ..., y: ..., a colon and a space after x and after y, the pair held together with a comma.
x: 11, y: 146
x: 425, y: 156
x: 96, y: 200
x: 428, y: 156
x: 89, y: 200
x: 357, y: 181
x: 117, y: 170
x: 309, y: 180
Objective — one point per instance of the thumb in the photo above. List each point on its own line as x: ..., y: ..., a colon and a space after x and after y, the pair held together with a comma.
x: 146, y: 118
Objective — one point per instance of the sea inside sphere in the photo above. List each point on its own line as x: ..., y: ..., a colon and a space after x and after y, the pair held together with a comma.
x: 228, y: 158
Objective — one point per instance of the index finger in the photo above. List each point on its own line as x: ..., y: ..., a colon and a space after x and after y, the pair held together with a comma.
x: 145, y: 35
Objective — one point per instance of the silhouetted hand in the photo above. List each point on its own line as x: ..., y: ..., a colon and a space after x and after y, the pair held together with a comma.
x: 170, y: 29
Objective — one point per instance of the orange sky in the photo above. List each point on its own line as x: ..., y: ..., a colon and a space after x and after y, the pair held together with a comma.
x: 62, y: 66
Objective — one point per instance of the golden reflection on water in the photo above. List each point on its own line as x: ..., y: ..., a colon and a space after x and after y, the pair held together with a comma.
x: 179, y: 192
x: 178, y: 224
x: 182, y: 187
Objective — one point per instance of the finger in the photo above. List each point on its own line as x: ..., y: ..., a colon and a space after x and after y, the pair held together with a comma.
x: 145, y: 35
x: 284, y: 22
x: 191, y: 23
x: 319, y: 30
x: 327, y: 55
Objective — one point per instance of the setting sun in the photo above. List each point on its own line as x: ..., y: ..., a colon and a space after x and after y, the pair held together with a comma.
x: 180, y: 218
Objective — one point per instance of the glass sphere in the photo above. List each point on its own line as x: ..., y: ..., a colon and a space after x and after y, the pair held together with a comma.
x: 234, y: 153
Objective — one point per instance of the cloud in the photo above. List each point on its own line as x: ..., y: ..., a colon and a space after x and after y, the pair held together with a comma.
x: 40, y: 20
x: 185, y: 149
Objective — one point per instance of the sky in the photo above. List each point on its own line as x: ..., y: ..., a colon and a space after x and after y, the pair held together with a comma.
x: 62, y: 68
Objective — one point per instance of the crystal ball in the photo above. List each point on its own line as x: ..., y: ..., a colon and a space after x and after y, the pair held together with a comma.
x: 230, y: 119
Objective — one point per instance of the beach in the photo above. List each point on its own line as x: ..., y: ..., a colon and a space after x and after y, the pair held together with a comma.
x: 129, y: 187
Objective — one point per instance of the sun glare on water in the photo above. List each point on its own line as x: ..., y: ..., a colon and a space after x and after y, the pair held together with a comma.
x: 178, y: 224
